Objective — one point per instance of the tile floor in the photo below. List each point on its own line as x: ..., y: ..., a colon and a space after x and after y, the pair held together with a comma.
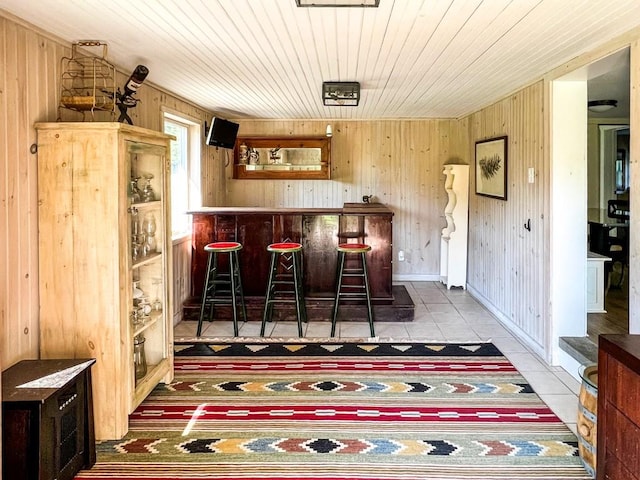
x: 440, y: 315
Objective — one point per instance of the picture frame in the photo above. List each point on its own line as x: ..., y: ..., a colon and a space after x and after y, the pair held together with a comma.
x: 491, y: 167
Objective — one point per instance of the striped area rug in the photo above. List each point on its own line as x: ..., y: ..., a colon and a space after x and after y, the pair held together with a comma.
x: 328, y: 411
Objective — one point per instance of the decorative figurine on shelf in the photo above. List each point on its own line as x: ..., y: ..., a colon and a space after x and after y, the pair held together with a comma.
x: 254, y: 156
x: 244, y: 154
x: 273, y: 155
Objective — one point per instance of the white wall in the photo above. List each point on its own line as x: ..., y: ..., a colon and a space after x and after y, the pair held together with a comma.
x: 568, y: 210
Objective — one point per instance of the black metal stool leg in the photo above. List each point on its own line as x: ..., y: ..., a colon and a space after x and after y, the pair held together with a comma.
x: 298, y: 292
x: 205, y: 294
x: 233, y: 278
x: 368, y: 294
x: 213, y: 282
x: 240, y: 291
x: 267, y: 313
x: 303, y: 305
x: 340, y: 270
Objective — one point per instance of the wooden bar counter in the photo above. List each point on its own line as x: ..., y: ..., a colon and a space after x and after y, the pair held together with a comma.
x: 319, y: 230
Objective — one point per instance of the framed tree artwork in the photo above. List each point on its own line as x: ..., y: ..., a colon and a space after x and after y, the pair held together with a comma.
x: 491, y: 168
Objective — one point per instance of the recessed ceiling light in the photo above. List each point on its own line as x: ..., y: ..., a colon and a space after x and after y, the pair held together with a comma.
x: 337, y: 3
x: 601, y: 105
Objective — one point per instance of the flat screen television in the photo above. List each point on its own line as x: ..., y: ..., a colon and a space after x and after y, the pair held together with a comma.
x: 222, y: 133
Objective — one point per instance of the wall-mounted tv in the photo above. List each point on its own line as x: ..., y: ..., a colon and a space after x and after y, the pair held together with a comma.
x: 222, y: 133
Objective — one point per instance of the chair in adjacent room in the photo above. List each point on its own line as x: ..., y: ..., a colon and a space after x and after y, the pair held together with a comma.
x: 618, y: 241
x: 222, y: 286
x: 285, y: 283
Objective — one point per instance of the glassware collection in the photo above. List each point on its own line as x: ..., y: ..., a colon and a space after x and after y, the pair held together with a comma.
x: 143, y: 240
x: 144, y: 193
x: 144, y: 244
x: 147, y: 234
x: 143, y: 235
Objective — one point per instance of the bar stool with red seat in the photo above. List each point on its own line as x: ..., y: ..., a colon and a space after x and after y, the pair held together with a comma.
x: 289, y: 251
x: 347, y: 290
x: 222, y: 287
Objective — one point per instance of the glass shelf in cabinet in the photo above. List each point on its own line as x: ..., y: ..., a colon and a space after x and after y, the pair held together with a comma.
x: 145, y: 205
x: 146, y: 260
x: 145, y: 324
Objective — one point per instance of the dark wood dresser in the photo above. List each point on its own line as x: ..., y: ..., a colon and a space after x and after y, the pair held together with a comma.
x: 47, y: 424
x: 618, y: 407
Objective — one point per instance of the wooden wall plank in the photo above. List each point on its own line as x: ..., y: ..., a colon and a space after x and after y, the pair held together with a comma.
x: 4, y: 205
x: 506, y: 261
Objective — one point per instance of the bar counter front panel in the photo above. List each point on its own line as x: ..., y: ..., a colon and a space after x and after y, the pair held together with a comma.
x: 318, y: 230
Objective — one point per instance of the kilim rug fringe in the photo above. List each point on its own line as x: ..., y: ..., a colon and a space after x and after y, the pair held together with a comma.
x: 341, y: 410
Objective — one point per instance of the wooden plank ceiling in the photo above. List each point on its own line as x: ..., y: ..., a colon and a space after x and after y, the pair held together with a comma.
x: 268, y: 58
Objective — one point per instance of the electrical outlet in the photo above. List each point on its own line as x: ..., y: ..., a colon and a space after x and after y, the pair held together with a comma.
x: 401, y: 256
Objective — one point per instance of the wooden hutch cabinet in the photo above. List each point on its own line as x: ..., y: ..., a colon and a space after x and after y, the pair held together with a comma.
x: 105, y: 256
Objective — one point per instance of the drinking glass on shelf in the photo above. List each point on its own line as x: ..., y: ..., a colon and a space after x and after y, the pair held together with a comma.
x: 149, y: 228
x: 137, y: 292
x: 148, y: 195
x: 135, y: 319
x: 134, y: 192
x: 137, y: 246
x: 157, y: 303
x: 135, y: 222
x: 136, y: 250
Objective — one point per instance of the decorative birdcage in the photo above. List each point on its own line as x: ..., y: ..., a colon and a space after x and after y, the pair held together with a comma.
x: 88, y: 82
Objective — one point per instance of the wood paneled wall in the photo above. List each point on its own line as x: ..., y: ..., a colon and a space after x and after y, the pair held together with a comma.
x: 181, y: 256
x: 507, y: 261
x: 29, y: 82
x: 398, y: 161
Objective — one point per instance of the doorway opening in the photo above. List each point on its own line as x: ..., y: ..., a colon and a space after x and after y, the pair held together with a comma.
x: 609, y: 190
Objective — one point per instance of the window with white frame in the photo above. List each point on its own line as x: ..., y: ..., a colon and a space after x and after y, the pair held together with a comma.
x: 185, y: 171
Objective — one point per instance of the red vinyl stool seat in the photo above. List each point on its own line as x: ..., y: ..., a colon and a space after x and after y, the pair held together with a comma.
x: 222, y: 287
x: 347, y: 290
x: 291, y: 255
